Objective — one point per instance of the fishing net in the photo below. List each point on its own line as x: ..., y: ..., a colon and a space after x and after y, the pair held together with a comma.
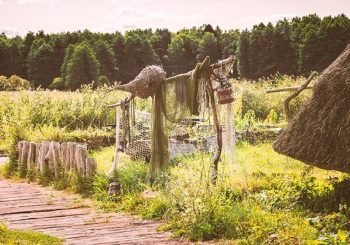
x: 180, y: 114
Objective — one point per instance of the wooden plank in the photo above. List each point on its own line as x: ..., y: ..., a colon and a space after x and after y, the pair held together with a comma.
x: 32, y: 207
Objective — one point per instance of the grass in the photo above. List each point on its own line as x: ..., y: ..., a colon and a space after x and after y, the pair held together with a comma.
x: 263, y: 198
x: 17, y: 237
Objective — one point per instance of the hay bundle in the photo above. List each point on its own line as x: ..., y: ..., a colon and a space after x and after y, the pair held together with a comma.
x: 320, y: 134
x: 146, y: 83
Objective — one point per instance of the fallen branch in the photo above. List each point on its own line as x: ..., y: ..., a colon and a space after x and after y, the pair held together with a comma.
x: 295, y: 94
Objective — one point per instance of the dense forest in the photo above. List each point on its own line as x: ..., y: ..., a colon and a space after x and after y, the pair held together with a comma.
x: 68, y: 60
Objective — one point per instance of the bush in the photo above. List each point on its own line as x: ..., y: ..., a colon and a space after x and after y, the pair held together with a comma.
x: 13, y: 83
x: 57, y: 83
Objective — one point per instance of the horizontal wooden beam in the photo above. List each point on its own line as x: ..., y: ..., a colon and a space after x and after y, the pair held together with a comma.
x: 286, y: 89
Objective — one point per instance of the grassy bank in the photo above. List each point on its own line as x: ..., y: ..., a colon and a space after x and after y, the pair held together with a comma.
x: 15, y: 237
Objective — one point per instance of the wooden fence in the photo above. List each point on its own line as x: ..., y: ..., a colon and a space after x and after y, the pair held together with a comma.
x: 55, y: 157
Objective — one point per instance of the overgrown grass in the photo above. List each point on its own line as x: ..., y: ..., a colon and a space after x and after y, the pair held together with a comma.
x: 17, y: 237
x: 265, y: 198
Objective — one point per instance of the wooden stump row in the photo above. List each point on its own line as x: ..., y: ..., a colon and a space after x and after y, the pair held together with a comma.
x: 55, y: 157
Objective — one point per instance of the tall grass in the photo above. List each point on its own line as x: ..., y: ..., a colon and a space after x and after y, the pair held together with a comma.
x: 265, y: 198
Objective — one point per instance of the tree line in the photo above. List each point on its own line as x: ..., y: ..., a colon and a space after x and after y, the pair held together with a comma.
x: 68, y: 60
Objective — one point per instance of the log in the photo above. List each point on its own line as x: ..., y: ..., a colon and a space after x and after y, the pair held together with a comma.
x: 37, y: 155
x: 19, y: 150
x: 63, y: 156
x: 81, y: 155
x: 90, y: 166
x: 24, y: 155
x: 43, y: 163
x: 31, y: 155
x: 70, y: 157
x: 53, y: 157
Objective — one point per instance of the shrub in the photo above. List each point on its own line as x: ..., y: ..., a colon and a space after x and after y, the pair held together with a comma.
x: 57, y: 83
x: 13, y: 83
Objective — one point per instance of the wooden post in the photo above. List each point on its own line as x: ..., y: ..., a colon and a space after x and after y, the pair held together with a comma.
x: 64, y: 156
x: 218, y: 130
x: 81, y: 155
x: 53, y: 157
x: 117, y: 140
x: 24, y: 156
x: 31, y: 155
x: 19, y: 150
x: 70, y: 155
x: 230, y: 134
x: 43, y: 163
x: 90, y: 166
x: 37, y: 155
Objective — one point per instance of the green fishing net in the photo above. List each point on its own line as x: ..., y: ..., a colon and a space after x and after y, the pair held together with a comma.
x: 176, y: 99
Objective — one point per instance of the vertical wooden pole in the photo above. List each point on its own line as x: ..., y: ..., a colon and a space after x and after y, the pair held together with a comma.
x: 218, y: 130
x: 117, y: 140
x: 230, y: 143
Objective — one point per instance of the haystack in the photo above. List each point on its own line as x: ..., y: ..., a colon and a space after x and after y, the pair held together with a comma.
x: 320, y: 134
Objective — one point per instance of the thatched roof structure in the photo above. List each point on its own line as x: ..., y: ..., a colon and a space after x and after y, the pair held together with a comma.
x: 320, y: 134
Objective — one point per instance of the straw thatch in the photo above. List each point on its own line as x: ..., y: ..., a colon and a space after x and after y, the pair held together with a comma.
x: 320, y: 134
x: 146, y: 83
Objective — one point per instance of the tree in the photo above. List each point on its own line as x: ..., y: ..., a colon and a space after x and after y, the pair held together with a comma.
x: 160, y: 42
x: 105, y: 56
x: 67, y: 57
x: 284, y: 53
x: 41, y: 64
x: 209, y: 46
x: 83, y: 67
x: 183, y: 51
x: 119, y: 54
x: 4, y: 56
x: 139, y: 53
x: 229, y: 42
x: 243, y: 54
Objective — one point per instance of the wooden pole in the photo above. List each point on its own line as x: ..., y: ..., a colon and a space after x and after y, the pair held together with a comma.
x: 218, y: 130
x: 117, y: 133
x: 277, y: 90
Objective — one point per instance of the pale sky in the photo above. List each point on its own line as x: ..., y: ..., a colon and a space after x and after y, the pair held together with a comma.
x: 21, y: 16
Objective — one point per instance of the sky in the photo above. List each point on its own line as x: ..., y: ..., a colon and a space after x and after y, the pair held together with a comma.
x: 17, y: 17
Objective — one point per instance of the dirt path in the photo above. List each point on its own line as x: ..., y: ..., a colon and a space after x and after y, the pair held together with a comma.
x: 32, y: 207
